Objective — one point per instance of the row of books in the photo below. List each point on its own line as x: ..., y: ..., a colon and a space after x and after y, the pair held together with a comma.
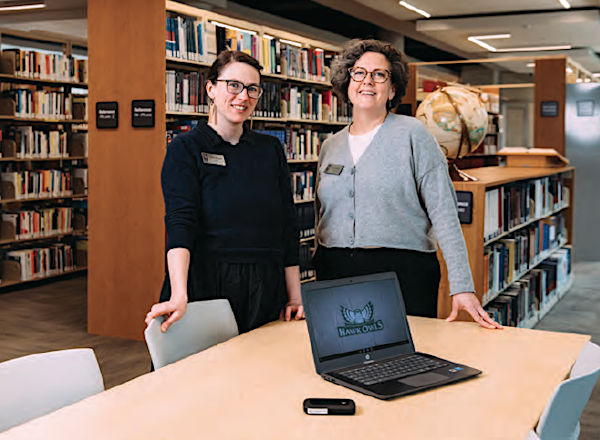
x: 308, y: 103
x: 41, y: 65
x: 306, y: 219
x: 40, y: 262
x: 191, y: 38
x: 506, y: 259
x: 27, y: 102
x: 492, y: 102
x: 175, y: 128
x: 39, y: 183
x: 303, y: 185
x: 186, y: 92
x: 516, y: 203
x: 33, y: 142
x: 524, y: 299
x: 39, y: 223
x: 307, y: 270
x: 299, y: 143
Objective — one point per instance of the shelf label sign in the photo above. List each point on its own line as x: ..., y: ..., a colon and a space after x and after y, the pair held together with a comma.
x: 549, y: 109
x: 142, y: 113
x: 465, y: 206
x: 107, y: 114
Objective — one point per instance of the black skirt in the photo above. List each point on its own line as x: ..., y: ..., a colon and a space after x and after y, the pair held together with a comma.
x: 418, y: 272
x: 256, y: 290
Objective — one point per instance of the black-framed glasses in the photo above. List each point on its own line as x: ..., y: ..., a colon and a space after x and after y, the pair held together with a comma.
x: 359, y: 74
x: 236, y: 87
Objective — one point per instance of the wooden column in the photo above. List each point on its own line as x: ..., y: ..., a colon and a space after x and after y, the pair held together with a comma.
x: 550, y: 86
x: 126, y: 45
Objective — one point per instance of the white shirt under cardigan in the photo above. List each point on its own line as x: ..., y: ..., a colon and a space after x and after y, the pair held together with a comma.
x: 396, y: 196
x: 359, y: 142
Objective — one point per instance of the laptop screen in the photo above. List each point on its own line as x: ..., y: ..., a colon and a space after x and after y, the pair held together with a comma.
x: 356, y: 318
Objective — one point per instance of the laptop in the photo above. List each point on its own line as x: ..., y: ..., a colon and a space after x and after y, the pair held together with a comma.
x: 361, y: 340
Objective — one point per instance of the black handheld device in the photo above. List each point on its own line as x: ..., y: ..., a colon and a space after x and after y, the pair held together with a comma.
x: 336, y: 407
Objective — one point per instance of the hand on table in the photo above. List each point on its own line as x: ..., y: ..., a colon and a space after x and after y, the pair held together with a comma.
x: 174, y: 310
x: 468, y: 301
x: 292, y: 308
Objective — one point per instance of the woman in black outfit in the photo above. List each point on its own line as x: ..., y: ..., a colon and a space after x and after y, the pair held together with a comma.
x: 230, y: 216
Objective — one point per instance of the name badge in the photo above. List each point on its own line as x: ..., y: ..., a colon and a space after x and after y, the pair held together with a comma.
x: 334, y: 169
x: 213, y: 159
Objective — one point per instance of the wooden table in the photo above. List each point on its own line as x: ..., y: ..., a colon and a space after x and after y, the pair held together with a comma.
x: 252, y: 387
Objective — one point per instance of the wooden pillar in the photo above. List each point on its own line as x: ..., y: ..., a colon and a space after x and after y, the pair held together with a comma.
x: 410, y: 97
x: 550, y: 87
x: 126, y: 46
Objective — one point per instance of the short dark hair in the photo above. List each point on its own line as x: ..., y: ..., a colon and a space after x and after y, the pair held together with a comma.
x: 230, y: 56
x: 353, y: 50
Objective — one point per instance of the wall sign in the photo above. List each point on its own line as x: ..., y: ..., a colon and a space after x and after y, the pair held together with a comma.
x: 107, y: 114
x: 465, y: 206
x: 585, y: 107
x: 549, y: 109
x: 142, y: 113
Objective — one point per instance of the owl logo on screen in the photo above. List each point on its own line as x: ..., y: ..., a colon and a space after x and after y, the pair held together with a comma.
x: 359, y: 321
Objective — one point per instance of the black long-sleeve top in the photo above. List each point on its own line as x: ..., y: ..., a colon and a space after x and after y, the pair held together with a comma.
x: 232, y: 201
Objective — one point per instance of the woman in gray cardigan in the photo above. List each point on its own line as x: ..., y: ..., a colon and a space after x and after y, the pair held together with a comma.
x: 383, y: 190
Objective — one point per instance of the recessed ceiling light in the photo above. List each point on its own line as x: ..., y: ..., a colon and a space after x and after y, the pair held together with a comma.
x: 415, y: 9
x: 533, y: 49
x: 22, y: 6
x: 477, y: 40
x: 530, y: 65
x: 565, y: 4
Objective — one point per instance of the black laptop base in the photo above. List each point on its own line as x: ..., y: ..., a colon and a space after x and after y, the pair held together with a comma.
x: 449, y: 373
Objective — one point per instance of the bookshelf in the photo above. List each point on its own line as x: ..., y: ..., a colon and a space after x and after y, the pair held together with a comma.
x: 521, y: 215
x: 43, y: 160
x: 126, y: 215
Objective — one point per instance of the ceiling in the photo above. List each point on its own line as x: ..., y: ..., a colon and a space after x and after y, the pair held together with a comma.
x: 443, y: 36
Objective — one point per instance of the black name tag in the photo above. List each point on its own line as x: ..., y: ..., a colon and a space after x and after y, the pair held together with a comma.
x: 213, y: 159
x: 334, y: 169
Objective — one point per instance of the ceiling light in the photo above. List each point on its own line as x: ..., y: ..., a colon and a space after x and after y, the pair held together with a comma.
x: 530, y: 65
x: 477, y: 40
x: 533, y: 49
x: 22, y: 6
x: 565, y: 4
x: 596, y: 75
x: 569, y: 69
x: 415, y: 9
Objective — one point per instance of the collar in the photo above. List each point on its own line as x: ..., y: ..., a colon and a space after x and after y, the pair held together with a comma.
x: 211, y: 138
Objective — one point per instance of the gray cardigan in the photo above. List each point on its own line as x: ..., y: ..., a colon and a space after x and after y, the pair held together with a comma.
x: 398, y: 193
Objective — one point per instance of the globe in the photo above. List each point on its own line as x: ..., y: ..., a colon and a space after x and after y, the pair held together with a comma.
x: 457, y: 118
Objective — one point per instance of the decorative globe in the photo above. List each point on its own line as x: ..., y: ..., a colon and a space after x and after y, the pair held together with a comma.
x: 446, y: 110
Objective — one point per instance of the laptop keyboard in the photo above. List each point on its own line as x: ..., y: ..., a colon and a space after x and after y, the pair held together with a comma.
x: 392, y: 369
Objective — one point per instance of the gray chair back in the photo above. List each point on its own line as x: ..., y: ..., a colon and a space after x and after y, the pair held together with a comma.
x: 204, y: 324
x: 38, y: 384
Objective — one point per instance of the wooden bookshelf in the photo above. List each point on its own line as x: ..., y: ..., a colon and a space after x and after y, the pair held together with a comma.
x: 12, y: 283
x: 9, y: 73
x: 492, y: 177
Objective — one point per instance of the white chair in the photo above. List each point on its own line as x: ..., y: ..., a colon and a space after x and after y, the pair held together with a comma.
x: 34, y: 385
x: 560, y: 418
x: 204, y: 324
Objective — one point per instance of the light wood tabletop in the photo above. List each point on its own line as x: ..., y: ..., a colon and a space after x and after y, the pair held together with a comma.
x: 252, y: 387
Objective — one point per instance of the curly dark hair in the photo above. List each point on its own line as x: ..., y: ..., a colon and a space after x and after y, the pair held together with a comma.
x: 230, y: 56
x: 353, y: 50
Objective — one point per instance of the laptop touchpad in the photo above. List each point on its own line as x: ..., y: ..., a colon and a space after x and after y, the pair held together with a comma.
x: 423, y: 379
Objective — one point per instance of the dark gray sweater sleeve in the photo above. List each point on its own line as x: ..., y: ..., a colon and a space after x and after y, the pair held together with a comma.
x: 439, y: 200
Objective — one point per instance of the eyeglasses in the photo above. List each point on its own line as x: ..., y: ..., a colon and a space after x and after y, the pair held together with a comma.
x: 236, y: 87
x: 359, y: 74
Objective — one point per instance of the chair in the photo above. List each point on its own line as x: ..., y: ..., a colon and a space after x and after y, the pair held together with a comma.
x: 560, y: 418
x: 38, y: 384
x: 204, y: 324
